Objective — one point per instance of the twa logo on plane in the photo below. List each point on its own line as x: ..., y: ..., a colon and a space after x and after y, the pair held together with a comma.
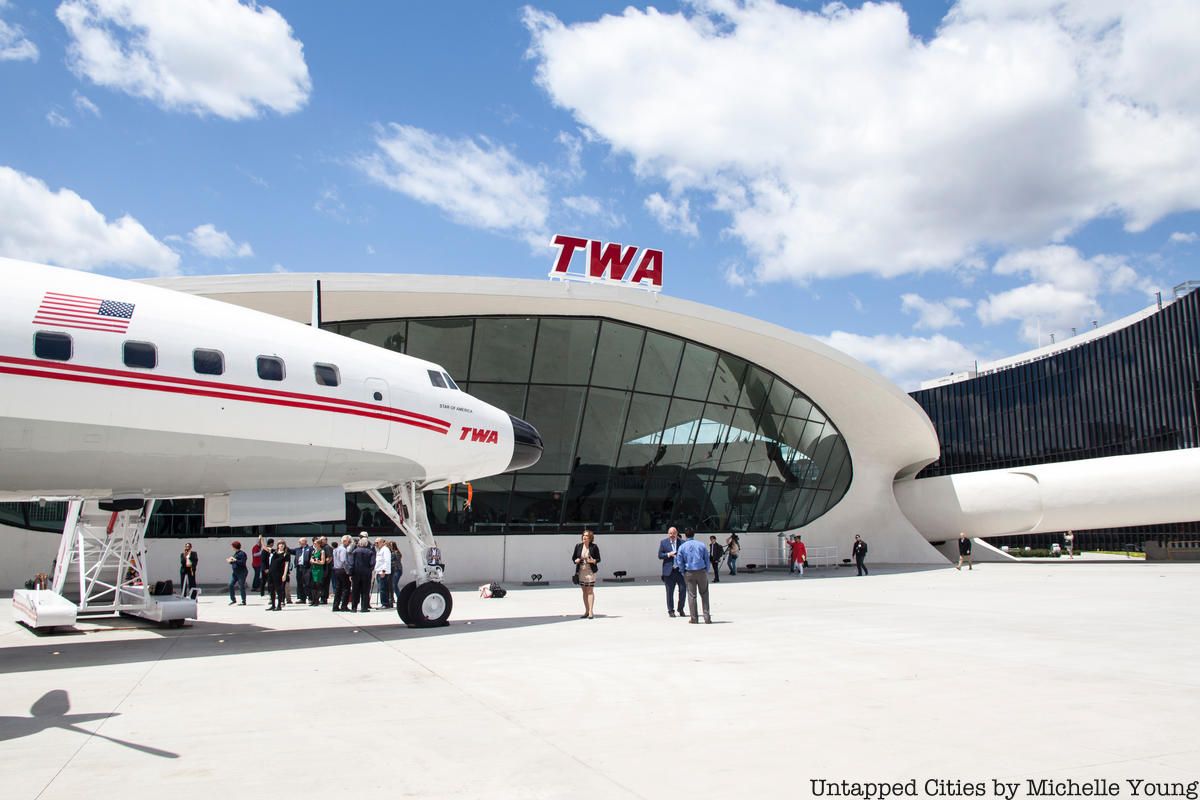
x: 608, y: 263
x: 480, y: 435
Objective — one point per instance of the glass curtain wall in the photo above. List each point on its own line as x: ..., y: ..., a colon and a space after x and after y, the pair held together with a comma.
x: 642, y: 429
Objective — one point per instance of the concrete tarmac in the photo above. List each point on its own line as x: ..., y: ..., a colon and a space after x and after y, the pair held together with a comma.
x: 1006, y: 672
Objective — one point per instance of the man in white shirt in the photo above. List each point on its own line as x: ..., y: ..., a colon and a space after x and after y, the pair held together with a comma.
x: 383, y: 572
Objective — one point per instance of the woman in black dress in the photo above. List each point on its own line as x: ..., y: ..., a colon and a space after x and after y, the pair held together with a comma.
x: 277, y: 575
x: 586, y: 558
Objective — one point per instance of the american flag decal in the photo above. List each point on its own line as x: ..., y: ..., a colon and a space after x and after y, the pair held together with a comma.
x: 88, y: 313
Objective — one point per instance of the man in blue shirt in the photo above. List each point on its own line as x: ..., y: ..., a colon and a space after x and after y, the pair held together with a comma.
x: 693, y: 560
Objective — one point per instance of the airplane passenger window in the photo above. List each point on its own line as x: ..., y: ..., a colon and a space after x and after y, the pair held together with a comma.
x: 208, y: 362
x: 140, y: 355
x: 326, y: 375
x: 52, y: 346
x: 270, y: 368
x: 450, y: 381
x: 436, y: 379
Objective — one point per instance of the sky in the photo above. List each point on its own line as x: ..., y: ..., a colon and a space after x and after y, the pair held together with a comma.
x: 923, y: 185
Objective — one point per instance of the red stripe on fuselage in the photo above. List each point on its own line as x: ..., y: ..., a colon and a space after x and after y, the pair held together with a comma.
x: 255, y: 391
x: 381, y: 414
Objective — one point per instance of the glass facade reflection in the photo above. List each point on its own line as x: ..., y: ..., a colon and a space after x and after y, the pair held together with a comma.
x: 642, y: 429
x: 1136, y: 390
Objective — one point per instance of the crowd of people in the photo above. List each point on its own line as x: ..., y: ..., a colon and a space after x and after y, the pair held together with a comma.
x: 348, y: 573
x: 352, y: 570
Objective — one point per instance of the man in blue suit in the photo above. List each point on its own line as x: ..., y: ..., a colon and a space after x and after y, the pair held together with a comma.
x: 671, y: 574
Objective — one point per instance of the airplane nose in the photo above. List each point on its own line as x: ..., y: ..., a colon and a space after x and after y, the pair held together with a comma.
x: 527, y: 445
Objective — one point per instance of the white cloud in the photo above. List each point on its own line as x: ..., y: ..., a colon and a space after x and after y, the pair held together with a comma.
x: 37, y: 224
x: 905, y: 359
x: 279, y: 268
x: 212, y: 243
x: 330, y: 203
x: 933, y: 314
x: 574, y: 151
x: 205, y: 56
x: 587, y: 206
x: 1180, y: 237
x: 870, y: 150
x: 57, y: 120
x: 672, y: 215
x: 85, y: 105
x: 370, y: 250
x: 475, y: 182
x: 13, y: 44
x: 1064, y: 291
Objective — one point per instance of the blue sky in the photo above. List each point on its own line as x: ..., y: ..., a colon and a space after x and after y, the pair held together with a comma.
x: 919, y: 184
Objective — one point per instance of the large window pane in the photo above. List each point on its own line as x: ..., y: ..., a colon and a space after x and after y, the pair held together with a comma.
x: 780, y: 398
x: 695, y: 372
x: 386, y: 333
x: 537, y: 502
x: 564, y: 350
x: 617, y: 355
x: 503, y: 349
x: 642, y: 439
x: 660, y: 363
x: 555, y: 412
x: 727, y: 381
x: 446, y: 342
x: 508, y: 397
x: 600, y: 432
x: 756, y: 387
x: 489, y: 504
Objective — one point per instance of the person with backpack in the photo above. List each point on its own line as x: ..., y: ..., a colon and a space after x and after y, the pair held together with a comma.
x: 715, y: 554
x: 859, y: 551
x: 733, y: 546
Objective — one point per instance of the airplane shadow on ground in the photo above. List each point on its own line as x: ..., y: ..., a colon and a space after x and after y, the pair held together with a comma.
x: 50, y: 711
x: 206, y: 639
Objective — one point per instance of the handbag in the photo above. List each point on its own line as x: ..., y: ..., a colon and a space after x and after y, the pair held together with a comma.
x: 575, y: 578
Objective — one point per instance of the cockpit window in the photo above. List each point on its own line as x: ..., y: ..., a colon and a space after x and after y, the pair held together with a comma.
x: 326, y: 375
x: 436, y: 379
x: 450, y: 382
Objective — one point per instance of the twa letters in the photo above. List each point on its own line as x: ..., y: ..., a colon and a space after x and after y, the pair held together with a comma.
x: 480, y: 435
x: 609, y: 263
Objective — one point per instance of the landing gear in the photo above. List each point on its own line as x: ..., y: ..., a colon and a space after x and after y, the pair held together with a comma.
x: 425, y: 602
x: 406, y: 593
x: 430, y: 606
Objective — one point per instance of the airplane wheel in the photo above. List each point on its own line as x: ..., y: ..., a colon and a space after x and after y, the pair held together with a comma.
x: 406, y: 593
x: 430, y: 605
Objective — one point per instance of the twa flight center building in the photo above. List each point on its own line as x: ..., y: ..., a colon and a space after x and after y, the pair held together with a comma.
x: 657, y: 411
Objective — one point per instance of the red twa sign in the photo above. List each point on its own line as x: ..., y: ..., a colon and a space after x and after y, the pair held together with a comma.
x: 608, y: 263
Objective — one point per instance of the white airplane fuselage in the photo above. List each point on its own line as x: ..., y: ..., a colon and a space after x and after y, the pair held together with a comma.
x: 99, y: 423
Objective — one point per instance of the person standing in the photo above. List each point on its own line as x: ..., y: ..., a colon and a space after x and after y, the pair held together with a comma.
x: 383, y: 572
x: 277, y: 575
x: 188, y: 560
x: 328, y: 551
x: 733, y: 546
x: 267, y: 551
x: 1069, y: 541
x: 341, y: 574
x: 317, y: 567
x: 397, y: 570
x: 694, y: 562
x: 715, y: 553
x: 237, y: 577
x: 256, y: 560
x: 964, y: 551
x: 799, y: 555
x: 859, y: 551
x: 586, y: 557
x: 303, y: 555
x: 362, y: 567
x: 672, y: 576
